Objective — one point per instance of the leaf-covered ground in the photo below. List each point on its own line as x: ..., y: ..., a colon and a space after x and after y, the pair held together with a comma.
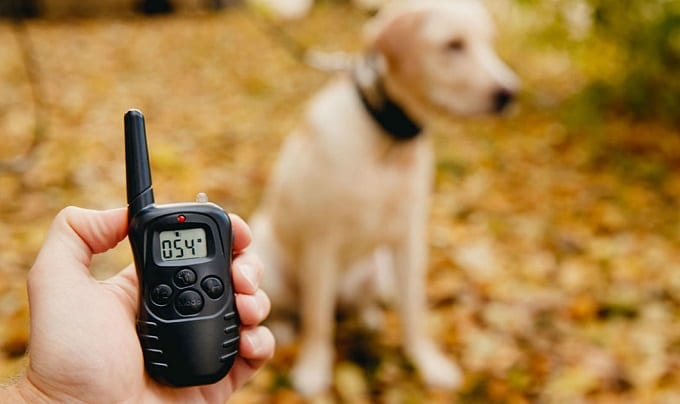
x: 555, y: 245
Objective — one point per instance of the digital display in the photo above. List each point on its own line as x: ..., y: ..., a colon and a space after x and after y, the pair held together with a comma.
x: 183, y: 244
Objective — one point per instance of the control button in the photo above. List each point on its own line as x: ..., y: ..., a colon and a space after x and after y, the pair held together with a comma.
x: 213, y: 287
x: 189, y: 302
x: 160, y: 294
x: 185, y: 277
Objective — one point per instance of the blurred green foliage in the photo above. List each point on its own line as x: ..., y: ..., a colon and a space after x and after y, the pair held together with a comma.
x: 645, y: 35
x: 649, y: 34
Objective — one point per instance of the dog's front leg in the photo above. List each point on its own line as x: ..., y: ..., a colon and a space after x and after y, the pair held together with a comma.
x: 313, y: 371
x: 410, y: 265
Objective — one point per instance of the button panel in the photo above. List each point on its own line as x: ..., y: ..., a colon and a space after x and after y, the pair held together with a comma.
x: 179, y: 292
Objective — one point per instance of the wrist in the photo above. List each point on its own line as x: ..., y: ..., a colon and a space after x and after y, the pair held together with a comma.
x: 11, y: 394
x: 22, y: 391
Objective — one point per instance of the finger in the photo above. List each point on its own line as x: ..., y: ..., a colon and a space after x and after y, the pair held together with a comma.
x: 75, y: 235
x: 257, y: 344
x: 247, y: 273
x: 253, y: 309
x: 242, y: 235
x: 255, y: 350
x: 126, y: 284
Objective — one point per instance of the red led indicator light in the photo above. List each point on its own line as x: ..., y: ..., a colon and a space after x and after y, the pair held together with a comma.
x: 181, y: 219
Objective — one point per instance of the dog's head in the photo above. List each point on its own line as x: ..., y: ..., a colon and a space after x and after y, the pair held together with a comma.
x: 440, y: 53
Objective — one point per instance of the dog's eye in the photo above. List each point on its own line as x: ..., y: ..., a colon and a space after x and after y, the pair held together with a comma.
x: 457, y: 45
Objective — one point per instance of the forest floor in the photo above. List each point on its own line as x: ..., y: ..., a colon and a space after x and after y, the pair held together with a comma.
x: 554, y: 246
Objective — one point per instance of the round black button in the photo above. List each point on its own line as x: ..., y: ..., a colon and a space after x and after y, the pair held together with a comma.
x: 213, y: 287
x: 160, y: 294
x: 189, y: 302
x: 185, y: 277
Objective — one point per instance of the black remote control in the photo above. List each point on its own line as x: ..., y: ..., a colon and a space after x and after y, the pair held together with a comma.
x: 187, y: 322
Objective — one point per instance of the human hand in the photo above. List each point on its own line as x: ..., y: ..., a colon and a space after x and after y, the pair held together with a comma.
x: 83, y: 344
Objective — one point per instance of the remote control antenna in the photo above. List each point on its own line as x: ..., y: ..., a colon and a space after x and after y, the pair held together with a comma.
x: 139, y: 189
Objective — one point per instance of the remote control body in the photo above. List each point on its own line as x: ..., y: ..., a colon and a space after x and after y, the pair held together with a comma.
x: 187, y: 322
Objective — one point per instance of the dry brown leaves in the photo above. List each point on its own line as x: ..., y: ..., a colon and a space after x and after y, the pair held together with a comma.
x: 555, y: 254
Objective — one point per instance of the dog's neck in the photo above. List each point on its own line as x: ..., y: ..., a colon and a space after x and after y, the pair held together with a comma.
x: 389, y: 115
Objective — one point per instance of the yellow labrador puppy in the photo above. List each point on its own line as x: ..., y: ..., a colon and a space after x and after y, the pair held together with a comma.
x: 355, y: 178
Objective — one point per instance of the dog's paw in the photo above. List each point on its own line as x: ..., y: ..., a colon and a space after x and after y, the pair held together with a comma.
x: 435, y: 368
x: 313, y: 371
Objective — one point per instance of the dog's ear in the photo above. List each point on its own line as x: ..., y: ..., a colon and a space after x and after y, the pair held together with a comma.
x: 397, y: 41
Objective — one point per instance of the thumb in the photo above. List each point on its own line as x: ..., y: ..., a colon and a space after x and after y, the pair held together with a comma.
x: 75, y: 235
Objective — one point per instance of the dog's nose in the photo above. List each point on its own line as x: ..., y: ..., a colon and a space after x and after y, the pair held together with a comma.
x: 502, y: 98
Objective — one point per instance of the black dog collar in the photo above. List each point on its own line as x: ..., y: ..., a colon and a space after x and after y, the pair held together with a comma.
x: 387, y: 114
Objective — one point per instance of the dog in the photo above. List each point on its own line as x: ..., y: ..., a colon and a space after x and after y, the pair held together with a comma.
x: 348, y: 198
x: 296, y: 9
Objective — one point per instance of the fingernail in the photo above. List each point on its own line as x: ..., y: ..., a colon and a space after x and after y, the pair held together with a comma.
x: 254, y: 339
x: 250, y: 273
x: 258, y: 307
